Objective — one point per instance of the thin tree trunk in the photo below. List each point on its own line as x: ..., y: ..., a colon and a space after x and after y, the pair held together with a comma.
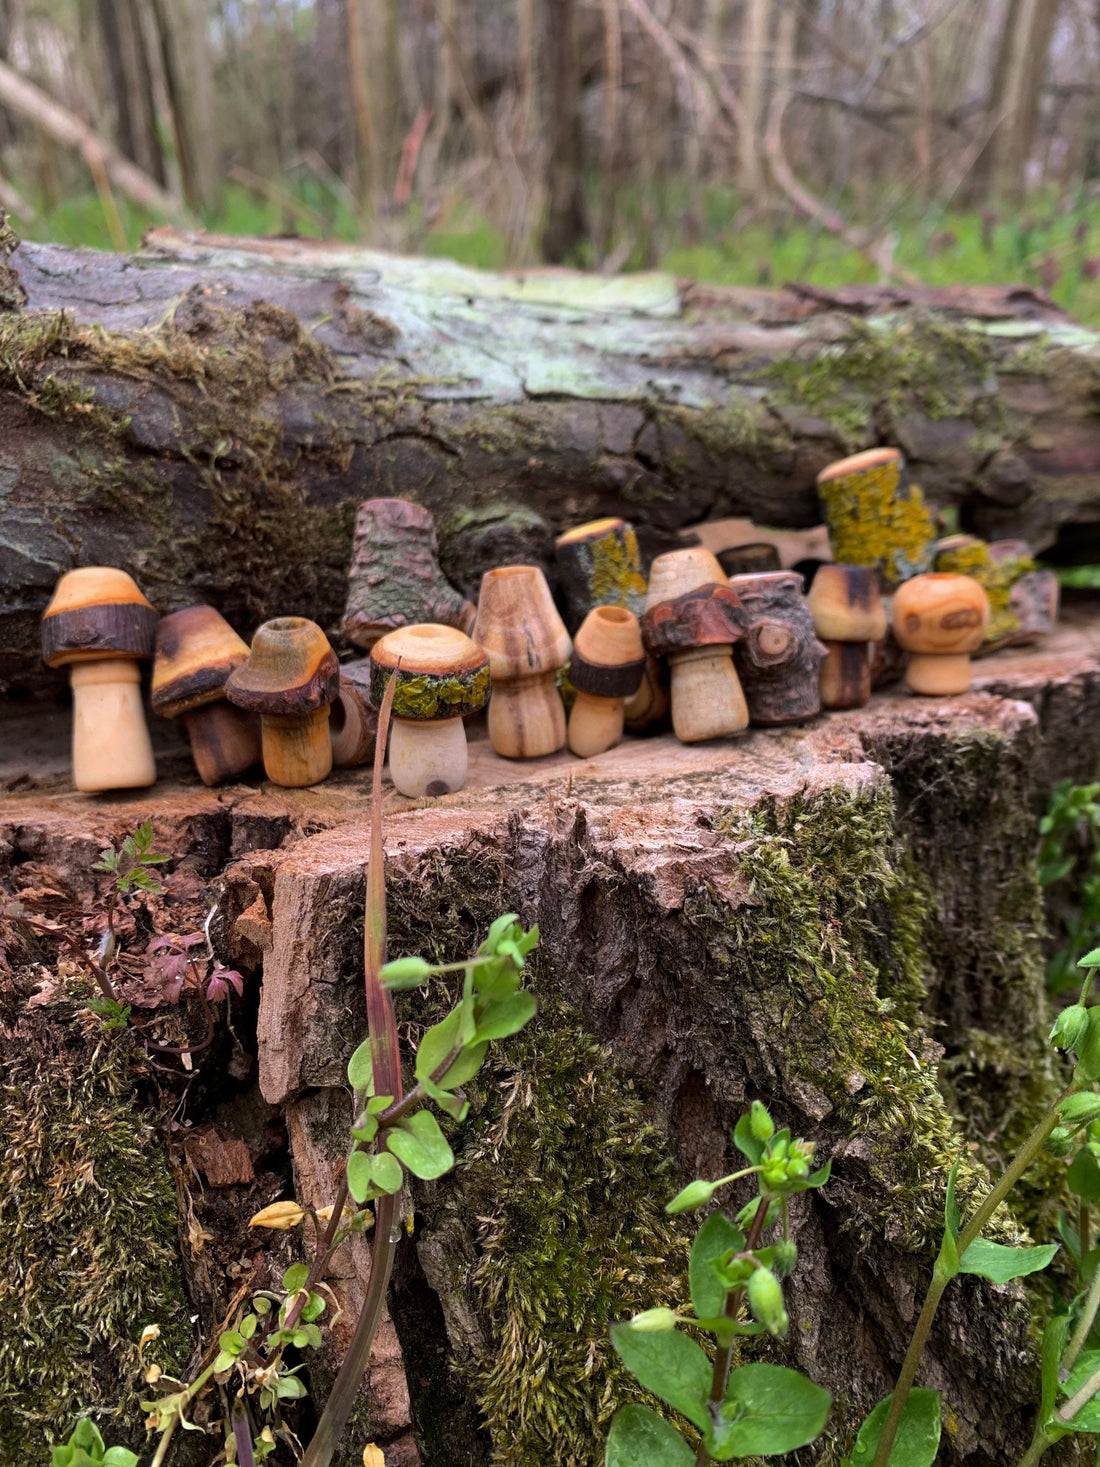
x: 565, y: 224
x: 361, y: 108
x: 132, y: 85
x: 754, y: 60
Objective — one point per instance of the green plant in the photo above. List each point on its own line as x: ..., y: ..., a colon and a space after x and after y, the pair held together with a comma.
x: 1069, y: 866
x: 85, y: 1449
x: 755, y: 1410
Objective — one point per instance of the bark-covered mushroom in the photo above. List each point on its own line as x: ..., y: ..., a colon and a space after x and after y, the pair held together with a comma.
x: 876, y: 517
x: 849, y: 617
x: 607, y: 668
x: 99, y: 625
x: 693, y: 618
x: 519, y: 626
x: 779, y: 657
x: 599, y: 564
x: 197, y: 649
x: 290, y: 679
x: 940, y: 619
x: 441, y: 676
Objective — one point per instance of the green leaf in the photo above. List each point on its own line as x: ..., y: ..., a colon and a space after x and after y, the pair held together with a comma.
x: 385, y: 1172
x: 1054, y: 1339
x: 119, y: 1457
x: 1083, y: 1175
x: 1088, y: 1049
x: 290, y: 1388
x: 1081, y: 1108
x: 918, y: 1438
x: 506, y: 1016
x: 455, y: 1105
x: 438, y: 1043
x: 1090, y: 960
x: 951, y: 1207
x: 247, y: 1326
x: 670, y: 1365
x: 405, y: 973
x: 768, y: 1410
x: 999, y: 1264
x: 421, y: 1145
x: 640, y: 1438
x: 224, y: 1361
x: 1088, y: 1418
x: 498, y: 930
x: 746, y: 1142
x: 495, y: 978
x: 295, y: 1277
x: 231, y: 1343
x: 359, y: 1175
x: 314, y: 1309
x: 947, y: 1263
x: 714, y: 1239
x: 361, y: 1069
x: 695, y: 1194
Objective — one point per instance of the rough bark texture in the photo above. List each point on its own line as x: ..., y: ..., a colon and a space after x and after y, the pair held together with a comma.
x: 209, y: 413
x: 841, y: 919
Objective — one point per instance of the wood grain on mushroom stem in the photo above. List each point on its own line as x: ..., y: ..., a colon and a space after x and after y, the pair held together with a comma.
x: 519, y: 627
x: 290, y: 679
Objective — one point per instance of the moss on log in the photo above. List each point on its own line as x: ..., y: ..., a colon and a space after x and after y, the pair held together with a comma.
x: 202, y: 412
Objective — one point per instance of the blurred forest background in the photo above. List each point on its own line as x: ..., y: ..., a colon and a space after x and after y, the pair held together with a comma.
x: 743, y: 141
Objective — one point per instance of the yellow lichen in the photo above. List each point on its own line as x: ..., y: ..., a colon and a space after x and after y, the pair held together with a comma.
x: 973, y: 559
x: 615, y: 576
x: 877, y: 519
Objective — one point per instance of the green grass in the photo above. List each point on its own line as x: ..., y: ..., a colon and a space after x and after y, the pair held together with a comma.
x: 1048, y: 241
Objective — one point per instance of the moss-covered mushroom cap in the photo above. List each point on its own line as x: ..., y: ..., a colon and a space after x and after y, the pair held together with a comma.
x: 291, y: 669
x: 443, y: 674
x: 97, y: 612
x: 197, y: 649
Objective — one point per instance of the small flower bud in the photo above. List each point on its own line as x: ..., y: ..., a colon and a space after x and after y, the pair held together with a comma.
x: 797, y: 1169
x: 654, y: 1320
x: 785, y: 1257
x: 760, y: 1122
x: 765, y: 1295
x: 1069, y: 1026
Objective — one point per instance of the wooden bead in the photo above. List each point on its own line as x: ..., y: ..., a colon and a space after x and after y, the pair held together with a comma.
x: 290, y: 679
x: 940, y: 619
x: 850, y: 618
x: 876, y: 517
x: 519, y: 627
x: 694, y: 618
x: 98, y: 624
x: 778, y: 659
x: 441, y: 676
x: 607, y: 668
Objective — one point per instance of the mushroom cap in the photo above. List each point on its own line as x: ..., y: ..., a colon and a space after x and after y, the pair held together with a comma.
x: 592, y: 530
x: 690, y: 603
x: 608, y: 656
x: 939, y: 612
x: 96, y: 613
x: 858, y: 463
x: 678, y: 571
x: 518, y: 624
x: 291, y: 669
x: 443, y: 674
x: 197, y: 649
x: 846, y: 604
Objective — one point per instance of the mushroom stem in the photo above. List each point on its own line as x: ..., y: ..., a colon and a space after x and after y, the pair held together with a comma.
x: 707, y: 701
x: 595, y: 724
x: 526, y: 717
x: 845, y: 674
x: 427, y: 756
x: 111, y: 745
x: 938, y: 674
x: 297, y: 748
x: 650, y: 702
x: 225, y: 741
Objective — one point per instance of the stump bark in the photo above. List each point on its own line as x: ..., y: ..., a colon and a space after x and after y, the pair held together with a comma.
x: 208, y: 414
x: 840, y: 919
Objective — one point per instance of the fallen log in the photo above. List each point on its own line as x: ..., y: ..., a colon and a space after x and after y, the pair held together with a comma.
x: 208, y: 413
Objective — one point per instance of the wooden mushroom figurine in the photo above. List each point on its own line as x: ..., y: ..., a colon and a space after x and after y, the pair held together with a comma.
x: 940, y: 619
x: 754, y: 559
x: 519, y: 627
x: 607, y: 668
x: 693, y: 618
x: 849, y: 617
x: 99, y: 625
x: 352, y: 721
x: 197, y: 649
x: 599, y: 564
x: 876, y: 517
x: 442, y: 676
x: 290, y: 679
x: 779, y: 657
x: 395, y: 578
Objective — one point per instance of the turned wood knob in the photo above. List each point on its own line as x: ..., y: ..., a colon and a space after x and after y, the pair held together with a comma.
x: 849, y: 617
x: 519, y: 627
x: 197, y: 649
x: 940, y: 619
x: 290, y: 678
x: 441, y: 676
x: 607, y: 668
x: 99, y: 625
x: 693, y: 618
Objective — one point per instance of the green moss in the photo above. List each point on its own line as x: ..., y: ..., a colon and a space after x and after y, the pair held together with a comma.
x: 88, y: 1226
x: 877, y: 518
x: 614, y: 570
x: 424, y: 696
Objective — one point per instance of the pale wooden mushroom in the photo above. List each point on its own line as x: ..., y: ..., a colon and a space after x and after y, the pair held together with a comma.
x: 849, y: 617
x: 607, y: 668
x: 519, y: 627
x: 98, y: 625
x: 290, y: 679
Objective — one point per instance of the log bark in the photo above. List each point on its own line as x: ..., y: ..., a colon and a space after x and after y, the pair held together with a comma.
x: 209, y: 413
x: 840, y: 919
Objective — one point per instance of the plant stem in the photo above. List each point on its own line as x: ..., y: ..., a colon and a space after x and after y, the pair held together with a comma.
x: 1040, y: 1442
x: 1083, y: 1227
x: 723, y: 1358
x: 1084, y: 1324
x: 1069, y: 1409
x: 1011, y: 1175
x: 165, y: 1442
